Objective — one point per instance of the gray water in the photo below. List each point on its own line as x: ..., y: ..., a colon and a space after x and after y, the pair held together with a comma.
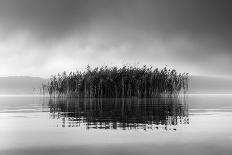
x: 193, y: 125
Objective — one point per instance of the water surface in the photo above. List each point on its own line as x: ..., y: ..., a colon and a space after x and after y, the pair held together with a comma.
x: 196, y: 124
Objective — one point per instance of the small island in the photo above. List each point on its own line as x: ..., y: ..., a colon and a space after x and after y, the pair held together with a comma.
x: 114, y: 82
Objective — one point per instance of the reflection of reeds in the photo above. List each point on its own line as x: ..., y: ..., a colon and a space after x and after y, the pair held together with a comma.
x: 120, y: 113
x: 127, y: 81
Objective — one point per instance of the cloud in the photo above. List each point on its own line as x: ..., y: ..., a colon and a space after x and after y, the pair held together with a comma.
x: 40, y: 37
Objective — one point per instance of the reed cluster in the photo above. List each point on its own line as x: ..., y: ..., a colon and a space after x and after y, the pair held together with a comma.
x: 127, y: 81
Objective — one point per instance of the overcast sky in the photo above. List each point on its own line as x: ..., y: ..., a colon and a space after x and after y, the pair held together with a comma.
x: 43, y: 37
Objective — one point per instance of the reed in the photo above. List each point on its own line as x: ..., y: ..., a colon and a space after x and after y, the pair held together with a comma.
x: 128, y: 81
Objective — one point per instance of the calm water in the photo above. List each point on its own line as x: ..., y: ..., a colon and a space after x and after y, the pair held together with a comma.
x: 196, y: 124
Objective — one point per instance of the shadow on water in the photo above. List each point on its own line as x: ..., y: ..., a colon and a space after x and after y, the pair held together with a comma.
x: 126, y: 114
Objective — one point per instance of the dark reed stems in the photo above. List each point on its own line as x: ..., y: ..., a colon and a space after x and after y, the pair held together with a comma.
x: 114, y: 82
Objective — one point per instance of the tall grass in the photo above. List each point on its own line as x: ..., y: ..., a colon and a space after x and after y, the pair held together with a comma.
x: 127, y: 81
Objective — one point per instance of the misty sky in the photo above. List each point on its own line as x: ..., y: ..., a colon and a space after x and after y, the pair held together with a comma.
x: 44, y: 37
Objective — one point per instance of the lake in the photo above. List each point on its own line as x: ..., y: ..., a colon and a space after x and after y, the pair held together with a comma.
x: 191, y: 124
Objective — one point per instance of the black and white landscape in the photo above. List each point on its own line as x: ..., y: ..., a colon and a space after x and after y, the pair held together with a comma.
x: 105, y: 77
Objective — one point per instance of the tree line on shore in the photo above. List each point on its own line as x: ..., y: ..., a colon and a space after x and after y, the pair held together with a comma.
x: 127, y: 81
